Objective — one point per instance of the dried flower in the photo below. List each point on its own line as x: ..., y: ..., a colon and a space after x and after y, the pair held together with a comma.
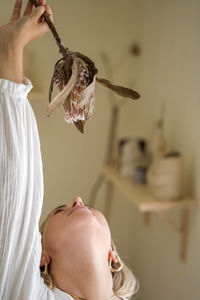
x: 75, y: 77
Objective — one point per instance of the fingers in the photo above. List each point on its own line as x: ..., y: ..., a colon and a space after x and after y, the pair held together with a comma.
x: 38, y: 12
x: 44, y: 7
x: 30, y: 5
x: 42, y: 2
x: 29, y: 8
x: 37, y: 17
x: 16, y: 11
x: 49, y: 11
x: 44, y: 27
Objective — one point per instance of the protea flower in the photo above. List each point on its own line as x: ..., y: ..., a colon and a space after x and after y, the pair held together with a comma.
x: 75, y: 77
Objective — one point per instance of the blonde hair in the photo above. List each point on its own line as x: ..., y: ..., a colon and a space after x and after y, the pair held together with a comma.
x: 124, y: 282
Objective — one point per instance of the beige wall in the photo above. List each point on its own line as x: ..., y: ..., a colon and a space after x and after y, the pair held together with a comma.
x: 168, y: 70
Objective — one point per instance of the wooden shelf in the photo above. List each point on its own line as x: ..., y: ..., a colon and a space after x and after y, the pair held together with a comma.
x: 140, y: 196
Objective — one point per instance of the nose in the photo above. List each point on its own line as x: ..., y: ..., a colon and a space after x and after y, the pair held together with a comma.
x: 77, y: 201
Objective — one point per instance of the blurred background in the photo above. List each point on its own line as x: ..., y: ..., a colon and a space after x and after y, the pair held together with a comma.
x: 167, y: 70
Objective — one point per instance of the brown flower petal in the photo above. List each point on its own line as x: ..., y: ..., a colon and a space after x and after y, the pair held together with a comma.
x: 61, y: 97
x: 120, y: 90
x: 80, y: 125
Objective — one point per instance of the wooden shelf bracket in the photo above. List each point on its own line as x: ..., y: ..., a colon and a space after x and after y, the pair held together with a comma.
x: 182, y: 229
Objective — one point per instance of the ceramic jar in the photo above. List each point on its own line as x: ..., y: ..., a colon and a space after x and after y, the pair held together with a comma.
x: 165, y: 177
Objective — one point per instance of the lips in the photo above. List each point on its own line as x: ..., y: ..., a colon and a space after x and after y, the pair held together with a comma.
x: 75, y: 208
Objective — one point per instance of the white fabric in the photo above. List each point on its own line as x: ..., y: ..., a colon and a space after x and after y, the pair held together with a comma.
x: 21, y: 197
x: 61, y: 295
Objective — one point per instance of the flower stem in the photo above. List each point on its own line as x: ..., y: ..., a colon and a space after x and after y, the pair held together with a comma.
x: 62, y: 48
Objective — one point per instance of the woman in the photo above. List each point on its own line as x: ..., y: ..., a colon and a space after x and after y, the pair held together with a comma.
x: 76, y: 251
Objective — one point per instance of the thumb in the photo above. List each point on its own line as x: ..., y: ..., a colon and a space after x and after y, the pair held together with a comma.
x: 38, y: 12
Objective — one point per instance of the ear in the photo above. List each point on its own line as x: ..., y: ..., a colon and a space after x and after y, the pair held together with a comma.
x: 45, y: 258
x: 112, y: 255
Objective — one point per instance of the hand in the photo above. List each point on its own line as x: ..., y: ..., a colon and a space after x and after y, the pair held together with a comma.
x: 20, y: 31
x: 30, y: 26
x: 17, y: 34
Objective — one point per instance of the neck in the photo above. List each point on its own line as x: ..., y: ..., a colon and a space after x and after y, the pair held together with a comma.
x: 88, y: 277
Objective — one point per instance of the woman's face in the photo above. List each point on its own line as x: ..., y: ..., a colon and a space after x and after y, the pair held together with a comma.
x: 75, y: 225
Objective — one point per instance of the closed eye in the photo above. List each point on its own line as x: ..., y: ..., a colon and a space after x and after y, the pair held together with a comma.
x: 58, y: 211
x: 88, y: 206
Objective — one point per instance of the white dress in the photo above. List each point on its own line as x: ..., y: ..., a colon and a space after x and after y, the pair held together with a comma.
x: 21, y: 197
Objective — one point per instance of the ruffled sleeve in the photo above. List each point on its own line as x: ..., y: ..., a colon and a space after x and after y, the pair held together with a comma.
x: 11, y: 88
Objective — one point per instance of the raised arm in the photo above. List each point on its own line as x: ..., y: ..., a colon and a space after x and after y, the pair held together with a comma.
x: 21, y: 177
x: 16, y: 35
